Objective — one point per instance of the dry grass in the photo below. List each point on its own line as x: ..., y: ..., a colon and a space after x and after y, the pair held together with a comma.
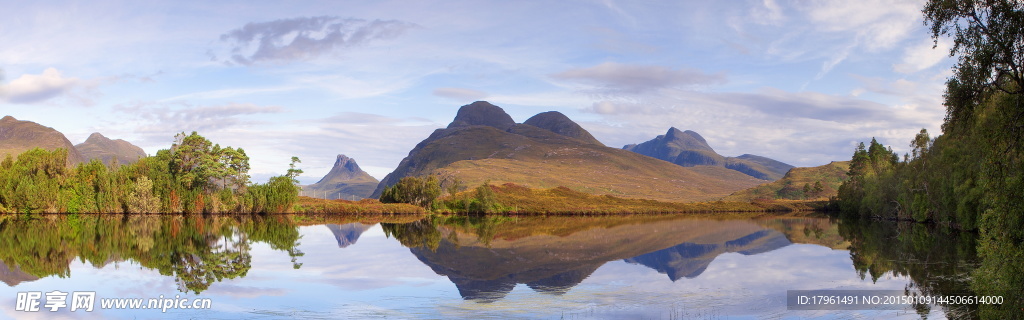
x: 307, y: 205
x: 518, y: 199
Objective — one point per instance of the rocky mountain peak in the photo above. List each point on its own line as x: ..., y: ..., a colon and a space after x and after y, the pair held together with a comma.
x: 482, y: 113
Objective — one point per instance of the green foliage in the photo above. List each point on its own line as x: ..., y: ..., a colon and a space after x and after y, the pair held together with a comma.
x: 193, y: 176
x: 933, y: 258
x: 971, y: 177
x: 141, y: 199
x: 413, y: 190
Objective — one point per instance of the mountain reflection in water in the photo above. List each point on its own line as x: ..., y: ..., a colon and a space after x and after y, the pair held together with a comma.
x: 480, y: 267
x: 486, y: 257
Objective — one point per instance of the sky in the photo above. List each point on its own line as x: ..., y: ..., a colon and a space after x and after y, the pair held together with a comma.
x: 801, y: 82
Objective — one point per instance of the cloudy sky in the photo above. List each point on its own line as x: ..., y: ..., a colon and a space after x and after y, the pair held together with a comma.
x: 801, y: 81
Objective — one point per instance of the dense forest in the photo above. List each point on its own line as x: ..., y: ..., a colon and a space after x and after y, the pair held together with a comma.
x: 193, y: 176
x: 972, y: 176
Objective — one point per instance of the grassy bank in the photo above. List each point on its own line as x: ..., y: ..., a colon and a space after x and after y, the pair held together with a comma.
x: 307, y: 205
x: 516, y: 199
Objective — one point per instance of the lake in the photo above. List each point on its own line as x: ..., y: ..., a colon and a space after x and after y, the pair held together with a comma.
x: 609, y: 267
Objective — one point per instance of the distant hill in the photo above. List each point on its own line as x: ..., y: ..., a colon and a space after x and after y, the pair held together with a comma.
x: 688, y: 149
x: 345, y: 181
x: 18, y: 136
x: 99, y: 147
x: 483, y: 143
x: 791, y: 186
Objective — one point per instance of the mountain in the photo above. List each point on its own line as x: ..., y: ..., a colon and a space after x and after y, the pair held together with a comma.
x: 18, y: 136
x: 345, y: 181
x: 347, y: 234
x: 99, y: 147
x: 557, y: 122
x: 483, y: 143
x: 792, y: 185
x: 689, y: 260
x: 688, y: 149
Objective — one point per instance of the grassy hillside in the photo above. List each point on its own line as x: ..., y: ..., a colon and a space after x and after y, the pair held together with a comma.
x: 791, y: 186
x: 541, y: 159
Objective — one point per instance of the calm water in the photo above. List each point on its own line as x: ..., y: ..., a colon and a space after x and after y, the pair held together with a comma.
x: 647, y: 267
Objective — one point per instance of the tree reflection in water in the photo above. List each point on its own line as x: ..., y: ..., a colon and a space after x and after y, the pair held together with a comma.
x: 196, y: 250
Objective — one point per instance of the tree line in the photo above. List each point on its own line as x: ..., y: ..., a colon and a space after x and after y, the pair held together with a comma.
x: 193, y: 176
x: 972, y: 176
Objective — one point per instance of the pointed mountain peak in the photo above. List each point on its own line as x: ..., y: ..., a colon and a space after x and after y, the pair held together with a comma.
x: 557, y: 122
x: 8, y: 118
x: 673, y: 131
x: 687, y: 140
x: 343, y: 160
x: 97, y: 137
x: 482, y: 113
x: 345, y: 169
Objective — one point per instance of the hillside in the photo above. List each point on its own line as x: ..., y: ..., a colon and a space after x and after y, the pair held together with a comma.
x: 99, y: 147
x: 18, y: 136
x: 791, y: 186
x: 345, y: 181
x: 483, y: 143
x: 688, y: 149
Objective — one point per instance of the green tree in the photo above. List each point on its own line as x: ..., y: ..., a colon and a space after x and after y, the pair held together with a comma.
x: 141, y: 199
x: 418, y: 191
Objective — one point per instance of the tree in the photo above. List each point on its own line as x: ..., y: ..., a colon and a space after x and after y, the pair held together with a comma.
x: 418, y: 191
x: 141, y: 199
x: 988, y: 38
x: 194, y: 160
x: 294, y: 173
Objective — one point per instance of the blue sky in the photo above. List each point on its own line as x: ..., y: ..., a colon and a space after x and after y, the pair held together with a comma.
x: 801, y: 82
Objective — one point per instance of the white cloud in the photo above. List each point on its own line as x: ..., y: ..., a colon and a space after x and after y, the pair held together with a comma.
x: 160, y: 121
x: 923, y: 56
x: 611, y: 77
x: 30, y: 88
x: 306, y: 37
x: 768, y: 14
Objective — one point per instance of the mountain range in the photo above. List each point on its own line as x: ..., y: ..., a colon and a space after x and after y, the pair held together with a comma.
x: 689, y: 149
x: 483, y: 143
x: 345, y: 181
x: 18, y: 136
x: 486, y: 270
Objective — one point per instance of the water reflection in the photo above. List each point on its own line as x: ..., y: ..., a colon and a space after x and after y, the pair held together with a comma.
x: 562, y: 263
x: 939, y: 261
x: 486, y: 257
x: 347, y: 234
x: 197, y: 251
